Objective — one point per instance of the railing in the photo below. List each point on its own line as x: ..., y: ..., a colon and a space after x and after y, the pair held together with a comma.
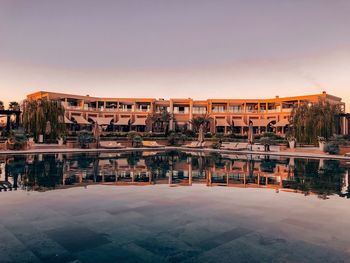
x: 74, y: 107
x: 143, y: 110
x: 125, y: 110
x: 218, y: 110
x: 235, y: 110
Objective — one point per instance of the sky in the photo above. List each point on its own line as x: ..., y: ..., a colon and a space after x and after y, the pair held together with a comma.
x: 179, y: 49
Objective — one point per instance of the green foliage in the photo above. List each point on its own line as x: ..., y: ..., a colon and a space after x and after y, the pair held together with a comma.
x: 332, y: 148
x: 13, y: 105
x: 36, y: 114
x: 197, y: 121
x: 17, y: 139
x: 266, y: 140
x: 176, y: 138
x: 272, y: 136
x: 158, y: 121
x: 339, y: 139
x: 310, y: 121
x: 132, y: 134
x: 84, y: 138
x: 190, y: 134
x: 137, y: 141
x: 216, y: 144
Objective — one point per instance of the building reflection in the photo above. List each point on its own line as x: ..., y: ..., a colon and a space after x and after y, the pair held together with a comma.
x: 173, y: 168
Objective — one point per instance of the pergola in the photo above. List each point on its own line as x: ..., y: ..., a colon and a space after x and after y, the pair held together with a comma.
x: 9, y: 113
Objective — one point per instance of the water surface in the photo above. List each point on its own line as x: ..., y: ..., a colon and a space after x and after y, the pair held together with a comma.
x: 173, y: 207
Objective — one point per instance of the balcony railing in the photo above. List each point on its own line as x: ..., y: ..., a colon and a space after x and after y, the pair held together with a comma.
x: 143, y: 110
x: 70, y: 107
x: 218, y: 110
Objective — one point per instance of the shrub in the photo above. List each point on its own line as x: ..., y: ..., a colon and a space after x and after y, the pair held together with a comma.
x: 266, y: 140
x: 84, y: 138
x: 136, y: 141
x: 332, y: 148
x: 17, y: 139
x: 173, y: 138
x: 132, y: 134
x: 190, y: 133
x: 216, y: 144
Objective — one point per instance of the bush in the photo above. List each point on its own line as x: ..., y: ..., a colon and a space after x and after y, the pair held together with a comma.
x: 132, y: 134
x: 266, y: 140
x: 190, y: 133
x: 216, y: 144
x: 17, y: 139
x: 136, y: 141
x: 332, y: 148
x: 175, y: 138
x: 84, y: 138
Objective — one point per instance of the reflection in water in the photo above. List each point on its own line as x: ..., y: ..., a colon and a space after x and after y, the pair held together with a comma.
x: 49, y: 171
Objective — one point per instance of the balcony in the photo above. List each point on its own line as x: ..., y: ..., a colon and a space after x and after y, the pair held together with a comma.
x: 125, y: 109
x: 142, y: 110
x: 69, y: 107
x: 218, y: 109
x: 181, y: 110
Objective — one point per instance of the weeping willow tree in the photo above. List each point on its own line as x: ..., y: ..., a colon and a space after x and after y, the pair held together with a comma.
x: 309, y: 122
x: 37, y: 113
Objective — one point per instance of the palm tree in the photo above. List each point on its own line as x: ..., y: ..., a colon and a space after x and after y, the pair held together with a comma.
x: 13, y: 105
x: 197, y: 121
x: 159, y: 121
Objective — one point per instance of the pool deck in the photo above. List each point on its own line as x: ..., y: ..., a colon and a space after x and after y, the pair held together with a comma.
x: 299, y: 152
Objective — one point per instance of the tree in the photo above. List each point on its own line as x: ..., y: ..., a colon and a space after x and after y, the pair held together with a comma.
x: 159, y: 121
x: 36, y: 114
x: 197, y: 121
x: 309, y: 122
x: 13, y: 105
x: 2, y: 107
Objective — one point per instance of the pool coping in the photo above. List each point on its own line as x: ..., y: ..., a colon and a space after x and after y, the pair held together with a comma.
x: 207, y: 150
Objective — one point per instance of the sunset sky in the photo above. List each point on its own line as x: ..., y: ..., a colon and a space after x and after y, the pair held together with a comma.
x: 199, y: 49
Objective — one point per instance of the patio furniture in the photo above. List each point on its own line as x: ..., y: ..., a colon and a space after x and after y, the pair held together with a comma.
x: 110, y: 144
x: 234, y: 146
x: 151, y: 144
x: 195, y: 144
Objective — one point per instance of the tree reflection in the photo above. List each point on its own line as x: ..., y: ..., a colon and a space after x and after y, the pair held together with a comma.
x: 48, y: 171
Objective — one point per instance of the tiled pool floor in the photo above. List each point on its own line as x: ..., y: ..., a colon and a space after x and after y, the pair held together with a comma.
x: 172, y: 224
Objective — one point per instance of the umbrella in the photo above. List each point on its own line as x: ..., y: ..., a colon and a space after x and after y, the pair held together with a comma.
x: 251, y: 133
x: 48, y: 128
x: 250, y: 166
x: 201, y: 134
x: 97, y: 132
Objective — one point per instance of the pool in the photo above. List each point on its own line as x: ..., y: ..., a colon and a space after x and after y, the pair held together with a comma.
x: 173, y: 206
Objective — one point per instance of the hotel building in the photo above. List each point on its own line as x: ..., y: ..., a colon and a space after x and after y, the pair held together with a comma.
x: 227, y: 115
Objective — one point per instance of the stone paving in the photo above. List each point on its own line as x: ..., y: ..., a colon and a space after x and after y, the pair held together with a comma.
x: 172, y: 224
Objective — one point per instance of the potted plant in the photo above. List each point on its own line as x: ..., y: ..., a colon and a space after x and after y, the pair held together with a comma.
x: 17, y: 140
x: 291, y: 142
x: 322, y: 143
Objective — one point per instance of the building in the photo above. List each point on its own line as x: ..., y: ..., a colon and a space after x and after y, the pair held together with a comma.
x: 227, y: 115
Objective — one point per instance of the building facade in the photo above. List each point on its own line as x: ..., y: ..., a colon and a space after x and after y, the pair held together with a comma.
x: 227, y: 115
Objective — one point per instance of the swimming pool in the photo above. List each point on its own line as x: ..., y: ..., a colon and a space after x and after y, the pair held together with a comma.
x: 173, y: 206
